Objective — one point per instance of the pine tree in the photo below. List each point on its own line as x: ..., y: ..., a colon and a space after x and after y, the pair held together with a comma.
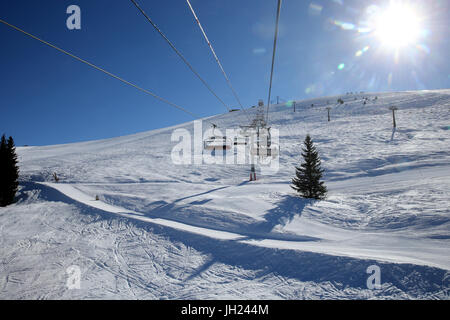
x: 9, y: 171
x: 307, y: 176
x: 3, y: 162
x: 13, y: 170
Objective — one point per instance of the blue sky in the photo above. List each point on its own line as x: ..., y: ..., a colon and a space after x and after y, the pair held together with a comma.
x: 49, y: 98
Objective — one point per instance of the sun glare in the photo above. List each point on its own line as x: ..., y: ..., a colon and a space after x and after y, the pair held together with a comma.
x: 398, y: 26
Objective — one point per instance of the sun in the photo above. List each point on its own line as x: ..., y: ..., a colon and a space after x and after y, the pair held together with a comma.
x: 398, y: 25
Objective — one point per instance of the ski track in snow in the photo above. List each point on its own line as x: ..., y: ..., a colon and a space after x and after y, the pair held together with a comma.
x: 306, y: 243
x: 162, y: 231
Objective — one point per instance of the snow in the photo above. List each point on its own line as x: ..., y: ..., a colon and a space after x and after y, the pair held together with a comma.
x: 166, y: 231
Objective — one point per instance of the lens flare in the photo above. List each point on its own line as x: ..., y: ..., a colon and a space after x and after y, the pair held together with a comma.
x: 341, y: 2
x: 315, y: 9
x: 344, y: 25
x: 364, y: 29
x: 423, y: 48
x: 310, y: 89
x: 360, y: 52
x: 259, y: 51
x: 389, y: 79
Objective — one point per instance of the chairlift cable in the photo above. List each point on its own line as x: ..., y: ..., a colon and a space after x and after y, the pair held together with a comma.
x: 273, y: 57
x: 102, y: 70
x: 216, y: 58
x: 179, y: 54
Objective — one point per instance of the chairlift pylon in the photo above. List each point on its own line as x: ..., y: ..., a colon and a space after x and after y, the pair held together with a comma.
x: 263, y: 146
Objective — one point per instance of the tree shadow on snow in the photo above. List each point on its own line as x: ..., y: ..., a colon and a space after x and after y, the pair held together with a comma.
x: 284, y: 212
x: 44, y: 192
x: 415, y: 280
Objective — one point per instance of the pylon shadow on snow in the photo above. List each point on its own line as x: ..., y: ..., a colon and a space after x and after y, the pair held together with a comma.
x: 393, y: 134
x: 339, y: 271
x: 284, y: 211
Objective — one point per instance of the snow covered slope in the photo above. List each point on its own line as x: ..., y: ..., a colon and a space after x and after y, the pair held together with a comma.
x: 162, y: 230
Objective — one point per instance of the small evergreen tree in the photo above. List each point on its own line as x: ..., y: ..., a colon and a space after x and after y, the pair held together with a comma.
x: 9, y: 171
x: 3, y: 178
x: 307, y: 176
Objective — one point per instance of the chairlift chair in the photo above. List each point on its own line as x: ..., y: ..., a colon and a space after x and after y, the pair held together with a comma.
x: 218, y: 143
x: 263, y: 146
x: 262, y: 151
x: 241, y: 138
x: 240, y: 141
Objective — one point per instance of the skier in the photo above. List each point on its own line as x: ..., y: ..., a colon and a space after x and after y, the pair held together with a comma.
x: 252, y: 173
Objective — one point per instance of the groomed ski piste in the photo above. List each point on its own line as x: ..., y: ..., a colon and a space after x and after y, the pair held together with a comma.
x: 165, y: 231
